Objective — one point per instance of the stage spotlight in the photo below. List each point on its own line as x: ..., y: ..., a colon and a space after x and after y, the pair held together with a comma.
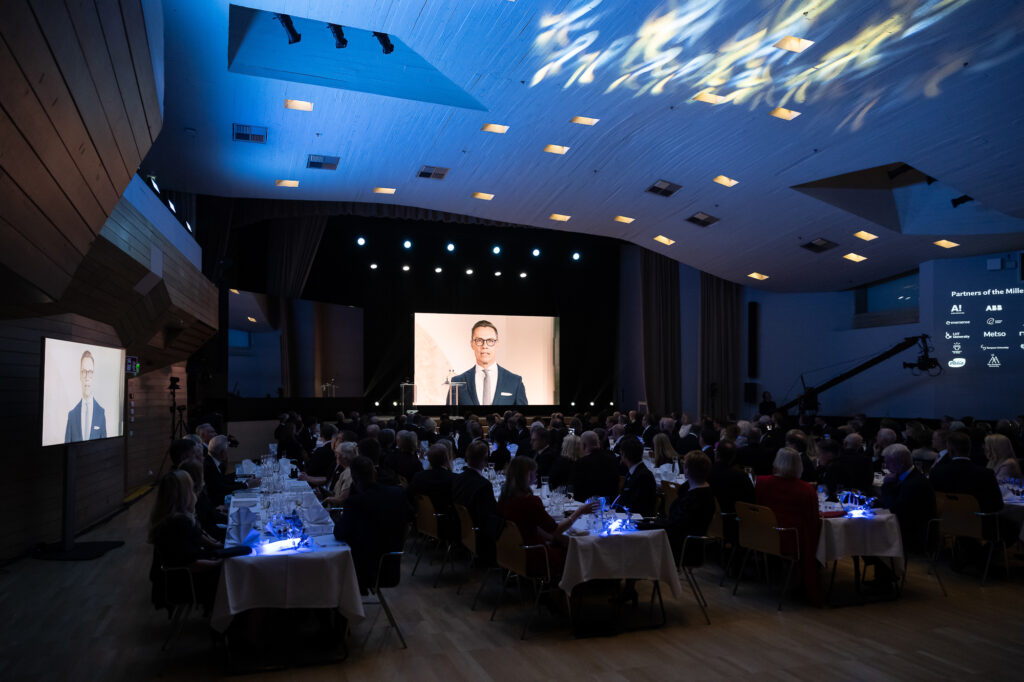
x: 407, y: 244
x: 373, y: 266
x: 361, y: 241
x: 469, y: 271
x: 522, y: 275
x: 286, y: 21
x: 611, y: 404
x: 450, y: 247
x: 497, y: 273
x: 339, y: 35
x: 536, y: 253
x: 496, y: 250
x: 394, y: 403
x: 591, y: 403
x: 385, y: 42
x: 376, y: 403
x: 437, y: 270
x: 405, y: 268
x: 152, y: 181
x: 575, y: 255
x: 572, y: 404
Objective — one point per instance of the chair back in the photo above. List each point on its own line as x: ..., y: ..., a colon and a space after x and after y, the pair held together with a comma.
x: 510, y: 554
x: 758, y: 528
x: 715, y: 529
x: 389, y: 570
x: 959, y: 515
x: 467, y: 531
x: 671, y: 492
x: 426, y: 517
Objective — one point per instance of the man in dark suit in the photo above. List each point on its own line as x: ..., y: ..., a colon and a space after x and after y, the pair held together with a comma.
x: 86, y: 420
x: 964, y: 477
x: 374, y: 522
x: 597, y: 472
x: 475, y: 493
x: 650, y: 429
x: 488, y: 383
x: 640, y: 491
x: 908, y: 495
x: 729, y: 485
x: 543, y: 452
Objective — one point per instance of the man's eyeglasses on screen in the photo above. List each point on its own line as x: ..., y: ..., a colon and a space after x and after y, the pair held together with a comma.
x: 479, y: 343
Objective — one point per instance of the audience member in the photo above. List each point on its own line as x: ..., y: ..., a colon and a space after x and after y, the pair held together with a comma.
x: 664, y: 453
x: 436, y: 484
x: 1000, y: 458
x: 639, y: 491
x: 475, y: 493
x: 596, y: 473
x: 562, y: 469
x: 693, y: 509
x: 339, y: 487
x: 729, y: 485
x: 962, y: 476
x: 404, y: 461
x: 909, y: 495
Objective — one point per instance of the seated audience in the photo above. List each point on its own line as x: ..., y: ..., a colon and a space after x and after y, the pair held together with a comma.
x: 795, y: 504
x: 339, y: 487
x: 962, y: 476
x: 1000, y: 457
x: 404, y: 461
x: 500, y: 456
x: 374, y: 523
x: 596, y: 474
x: 519, y: 505
x: 185, y: 449
x: 543, y: 451
x: 730, y: 485
x: 207, y: 514
x: 321, y: 461
x: 909, y: 495
x: 561, y: 472
x: 436, y: 483
x: 693, y: 509
x: 218, y: 482
x: 798, y: 440
x: 475, y: 493
x: 640, y: 491
x: 178, y: 542
x: 664, y: 453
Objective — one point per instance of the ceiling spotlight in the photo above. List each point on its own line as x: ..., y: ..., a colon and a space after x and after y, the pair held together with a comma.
x: 757, y: 276
x: 234, y: 291
x: 339, y: 35
x: 385, y: 42
x: 624, y: 219
x: 394, y: 403
x: 251, y: 319
x: 383, y: 190
x: 946, y: 244
x: 407, y: 244
x: 450, y: 247
x: 437, y: 270
x: 667, y: 241
x: 536, y: 253
x: 497, y: 273
x: 286, y: 21
x: 152, y: 181
x: 591, y: 403
x: 361, y: 241
x: 522, y: 275
x: 373, y: 266
x: 572, y: 404
x: 286, y: 183
x: 469, y: 271
x: 376, y: 403
x: 405, y: 268
x: 188, y: 226
x: 865, y: 235
x: 496, y: 250
x: 855, y: 257
x: 575, y: 255
x: 171, y: 204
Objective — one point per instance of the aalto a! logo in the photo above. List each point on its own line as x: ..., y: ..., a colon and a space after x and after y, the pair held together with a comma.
x: 957, y: 362
x: 957, y: 309
x: 994, y: 308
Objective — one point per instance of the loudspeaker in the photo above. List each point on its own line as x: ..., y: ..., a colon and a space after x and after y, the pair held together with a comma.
x: 753, y: 336
x: 750, y: 393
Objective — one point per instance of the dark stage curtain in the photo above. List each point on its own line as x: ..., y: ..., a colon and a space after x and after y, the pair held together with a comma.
x: 660, y: 335
x: 720, y: 345
x: 293, y: 245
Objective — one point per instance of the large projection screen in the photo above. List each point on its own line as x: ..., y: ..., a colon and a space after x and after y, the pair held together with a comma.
x: 527, y: 346
x: 83, y: 392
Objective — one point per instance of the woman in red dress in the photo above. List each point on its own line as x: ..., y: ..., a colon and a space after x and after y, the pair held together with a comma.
x: 519, y: 505
x: 795, y: 504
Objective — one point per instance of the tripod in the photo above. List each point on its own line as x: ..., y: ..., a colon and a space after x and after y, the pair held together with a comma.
x: 178, y: 429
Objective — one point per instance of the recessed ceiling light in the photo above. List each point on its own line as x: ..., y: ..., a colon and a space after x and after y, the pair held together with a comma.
x: 536, y: 253
x: 298, y: 105
x: 361, y: 241
x: 405, y: 268
x: 794, y: 44
x: 624, y: 219
x: 559, y: 217
x: 945, y: 243
x: 383, y: 190
x: 286, y: 183
x: 497, y: 273
x: 709, y: 98
x: 152, y: 181
x: 784, y: 114
x: 171, y: 204
x: 496, y: 250
x: 664, y: 240
x: 469, y: 271
x: 728, y: 182
x: 555, y: 149
x: 234, y: 291
x: 450, y: 247
x: 757, y: 275
x: 188, y: 226
x: 575, y: 255
x: 483, y: 195
x: 855, y: 257
x: 494, y: 128
x: 407, y: 244
x: 373, y: 266
x: 866, y: 236
x: 584, y: 120
x: 522, y: 275
x: 251, y: 319
x: 438, y: 270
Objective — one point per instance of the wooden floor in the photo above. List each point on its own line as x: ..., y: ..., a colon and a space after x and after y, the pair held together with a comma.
x: 93, y: 620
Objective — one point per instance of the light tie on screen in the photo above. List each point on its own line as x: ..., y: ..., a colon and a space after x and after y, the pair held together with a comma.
x: 487, y: 387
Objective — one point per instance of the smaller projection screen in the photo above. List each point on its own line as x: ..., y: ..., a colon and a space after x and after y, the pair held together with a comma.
x: 522, y: 349
x: 83, y: 392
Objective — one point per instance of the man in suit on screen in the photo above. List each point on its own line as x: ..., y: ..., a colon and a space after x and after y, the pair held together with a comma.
x: 487, y: 383
x: 87, y: 420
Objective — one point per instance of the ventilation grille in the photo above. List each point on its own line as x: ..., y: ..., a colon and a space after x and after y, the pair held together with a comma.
x: 322, y: 162
x: 702, y: 219
x: 818, y: 245
x: 664, y: 188
x: 241, y: 133
x: 435, y: 172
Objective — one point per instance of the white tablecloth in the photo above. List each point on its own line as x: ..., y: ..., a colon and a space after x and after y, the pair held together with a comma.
x: 325, y: 578
x: 644, y: 555
x: 874, y: 536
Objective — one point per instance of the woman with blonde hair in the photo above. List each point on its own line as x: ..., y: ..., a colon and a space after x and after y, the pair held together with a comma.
x: 664, y: 453
x: 562, y: 469
x: 999, y: 453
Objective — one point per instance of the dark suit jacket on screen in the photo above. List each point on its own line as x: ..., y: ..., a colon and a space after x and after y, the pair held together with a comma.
x: 73, y: 431
x: 509, y: 390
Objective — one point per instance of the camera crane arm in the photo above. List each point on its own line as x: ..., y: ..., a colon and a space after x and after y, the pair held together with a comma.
x: 814, y: 391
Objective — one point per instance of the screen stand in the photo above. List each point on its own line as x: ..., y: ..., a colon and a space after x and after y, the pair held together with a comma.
x: 67, y: 549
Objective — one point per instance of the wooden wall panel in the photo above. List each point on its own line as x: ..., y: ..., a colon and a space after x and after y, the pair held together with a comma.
x: 149, y: 435
x: 78, y: 111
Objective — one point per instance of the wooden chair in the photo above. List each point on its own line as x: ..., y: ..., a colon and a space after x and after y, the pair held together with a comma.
x: 387, y: 579
x: 427, y: 525
x: 512, y: 556
x: 760, y: 532
x: 960, y: 516
x: 468, y: 538
x: 669, y: 492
